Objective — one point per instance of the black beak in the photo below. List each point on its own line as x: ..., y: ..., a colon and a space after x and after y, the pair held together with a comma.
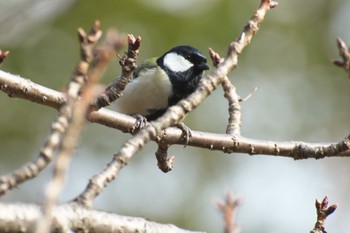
x: 203, y: 66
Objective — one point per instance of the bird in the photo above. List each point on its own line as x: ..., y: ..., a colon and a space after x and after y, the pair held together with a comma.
x: 162, y: 82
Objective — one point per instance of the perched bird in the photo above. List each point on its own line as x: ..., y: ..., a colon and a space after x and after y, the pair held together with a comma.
x: 161, y: 82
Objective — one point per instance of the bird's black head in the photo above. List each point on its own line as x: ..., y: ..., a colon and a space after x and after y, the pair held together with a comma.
x: 185, y: 66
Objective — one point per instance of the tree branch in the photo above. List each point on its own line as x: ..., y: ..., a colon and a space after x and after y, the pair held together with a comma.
x: 105, y: 53
x: 74, y: 218
x: 234, y: 109
x: 74, y: 116
x: 15, y: 86
x: 98, y: 58
x: 18, y: 87
x: 176, y: 113
x: 66, y: 128
x: 165, y: 163
x: 128, y: 64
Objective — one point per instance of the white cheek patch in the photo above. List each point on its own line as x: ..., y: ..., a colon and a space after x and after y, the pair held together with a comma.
x: 176, y: 62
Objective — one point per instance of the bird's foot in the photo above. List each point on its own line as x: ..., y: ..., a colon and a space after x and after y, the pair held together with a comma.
x: 140, y: 122
x: 186, y: 132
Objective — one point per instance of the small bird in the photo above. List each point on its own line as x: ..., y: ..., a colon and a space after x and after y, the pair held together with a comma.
x: 161, y: 82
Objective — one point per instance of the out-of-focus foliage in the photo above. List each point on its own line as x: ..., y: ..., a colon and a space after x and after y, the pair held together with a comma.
x: 301, y: 96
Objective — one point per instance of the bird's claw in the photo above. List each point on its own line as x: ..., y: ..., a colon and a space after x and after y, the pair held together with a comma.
x: 186, y: 133
x: 140, y: 122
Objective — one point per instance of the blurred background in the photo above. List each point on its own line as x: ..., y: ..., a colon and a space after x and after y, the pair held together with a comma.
x: 301, y: 96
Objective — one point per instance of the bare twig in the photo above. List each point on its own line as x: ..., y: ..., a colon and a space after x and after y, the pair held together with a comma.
x: 176, y: 113
x: 105, y: 53
x: 323, y: 211
x: 229, y: 210
x: 165, y: 163
x: 234, y: 109
x: 344, y: 53
x: 67, y: 147
x: 215, y: 57
x: 101, y: 56
x: 128, y: 64
x: 3, y: 55
x: 74, y: 118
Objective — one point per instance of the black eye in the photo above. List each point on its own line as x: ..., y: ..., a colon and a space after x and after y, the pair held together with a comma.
x: 188, y: 57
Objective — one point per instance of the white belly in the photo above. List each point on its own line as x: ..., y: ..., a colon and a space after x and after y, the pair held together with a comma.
x: 146, y: 93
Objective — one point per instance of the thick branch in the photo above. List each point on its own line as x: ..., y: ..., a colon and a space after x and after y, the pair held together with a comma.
x: 73, y: 218
x: 17, y: 87
x: 28, y: 90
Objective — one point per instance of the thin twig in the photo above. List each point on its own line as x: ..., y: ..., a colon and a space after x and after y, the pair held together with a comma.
x: 74, y: 119
x: 176, y: 113
x: 128, y: 64
x: 100, y: 57
x: 229, y: 208
x: 105, y: 53
x: 344, y: 53
x: 215, y: 57
x: 63, y: 157
x: 323, y: 211
x: 234, y: 109
x: 165, y: 163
